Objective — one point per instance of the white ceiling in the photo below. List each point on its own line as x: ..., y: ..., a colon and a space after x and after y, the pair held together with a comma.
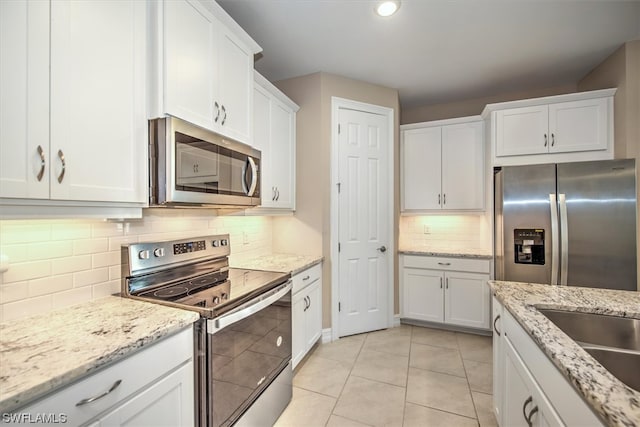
x: 436, y: 51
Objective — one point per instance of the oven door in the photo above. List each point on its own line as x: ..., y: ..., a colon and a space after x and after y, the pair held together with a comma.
x: 248, y: 349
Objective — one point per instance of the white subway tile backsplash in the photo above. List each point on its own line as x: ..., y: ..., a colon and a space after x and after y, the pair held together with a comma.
x: 26, y: 271
x: 50, y: 285
x: 57, y: 263
x: 71, y: 264
x: 90, y: 277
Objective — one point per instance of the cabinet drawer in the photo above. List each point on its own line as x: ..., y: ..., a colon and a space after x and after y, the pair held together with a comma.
x: 134, y: 372
x: 448, y: 264
x: 306, y: 277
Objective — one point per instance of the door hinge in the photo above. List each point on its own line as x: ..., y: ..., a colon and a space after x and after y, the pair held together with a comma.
x: 339, y: 307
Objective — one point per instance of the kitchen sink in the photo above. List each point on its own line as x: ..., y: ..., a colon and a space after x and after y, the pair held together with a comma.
x: 613, y: 341
x: 622, y: 364
x: 599, y: 329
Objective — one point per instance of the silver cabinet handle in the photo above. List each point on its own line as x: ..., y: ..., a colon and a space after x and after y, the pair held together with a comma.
x: 444, y: 199
x: 217, y: 107
x: 553, y: 140
x: 438, y: 198
x: 441, y: 283
x: 533, y: 411
x: 524, y: 410
x: 306, y: 277
x: 307, y: 303
x: 545, y: 139
x: 444, y: 263
x: 100, y: 396
x: 224, y: 119
x: 447, y: 283
x: 382, y: 249
x: 495, y: 327
x: 277, y: 194
x: 273, y: 191
x: 64, y: 166
x: 42, y: 163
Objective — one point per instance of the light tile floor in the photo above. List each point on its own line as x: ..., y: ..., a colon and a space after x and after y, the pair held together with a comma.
x: 405, y: 376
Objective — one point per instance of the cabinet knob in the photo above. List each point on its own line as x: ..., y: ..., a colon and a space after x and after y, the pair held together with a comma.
x: 382, y: 249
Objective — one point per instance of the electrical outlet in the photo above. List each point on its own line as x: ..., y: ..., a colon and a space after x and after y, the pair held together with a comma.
x: 427, y: 229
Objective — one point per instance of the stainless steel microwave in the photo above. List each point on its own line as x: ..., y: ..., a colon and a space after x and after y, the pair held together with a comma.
x: 191, y: 166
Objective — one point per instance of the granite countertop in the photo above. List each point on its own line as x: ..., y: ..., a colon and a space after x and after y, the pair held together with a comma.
x: 283, y: 263
x: 448, y: 251
x: 616, y: 403
x: 42, y: 353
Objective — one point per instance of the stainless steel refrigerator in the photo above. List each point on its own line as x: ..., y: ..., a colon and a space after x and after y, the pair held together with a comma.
x: 567, y: 224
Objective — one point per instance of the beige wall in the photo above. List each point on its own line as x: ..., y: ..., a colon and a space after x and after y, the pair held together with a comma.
x: 622, y: 70
x: 309, y: 230
x: 472, y: 107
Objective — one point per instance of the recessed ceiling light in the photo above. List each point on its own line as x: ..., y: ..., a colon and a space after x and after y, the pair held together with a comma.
x: 387, y: 8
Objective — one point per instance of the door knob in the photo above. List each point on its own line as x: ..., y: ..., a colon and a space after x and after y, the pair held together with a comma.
x: 382, y: 249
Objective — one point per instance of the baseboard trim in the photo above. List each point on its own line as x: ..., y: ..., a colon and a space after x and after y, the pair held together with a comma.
x: 327, y: 335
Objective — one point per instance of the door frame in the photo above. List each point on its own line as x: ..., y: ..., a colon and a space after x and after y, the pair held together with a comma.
x: 336, y: 104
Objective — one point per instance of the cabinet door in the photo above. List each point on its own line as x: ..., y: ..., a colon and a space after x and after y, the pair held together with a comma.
x: 578, y: 125
x: 498, y: 359
x: 189, y: 72
x: 313, y: 324
x: 298, y: 327
x: 423, y: 294
x: 98, y: 119
x: 522, y: 398
x: 282, y: 152
x: 169, y: 402
x: 522, y: 131
x: 262, y: 141
x: 24, y: 99
x: 462, y: 166
x: 235, y: 86
x: 467, y: 299
x: 421, y: 169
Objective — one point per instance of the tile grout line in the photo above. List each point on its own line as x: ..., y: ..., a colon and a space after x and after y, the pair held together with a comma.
x: 473, y: 402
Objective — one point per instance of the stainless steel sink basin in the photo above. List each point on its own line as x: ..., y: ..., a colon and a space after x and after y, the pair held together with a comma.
x: 599, y: 329
x: 612, y: 341
x: 622, y: 364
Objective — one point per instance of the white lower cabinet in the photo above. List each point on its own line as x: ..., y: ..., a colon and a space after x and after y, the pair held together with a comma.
x: 453, y: 291
x: 155, y: 386
x: 307, y: 311
x: 525, y: 381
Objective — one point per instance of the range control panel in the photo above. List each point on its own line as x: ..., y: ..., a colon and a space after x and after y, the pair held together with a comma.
x: 155, y: 255
x: 529, y: 245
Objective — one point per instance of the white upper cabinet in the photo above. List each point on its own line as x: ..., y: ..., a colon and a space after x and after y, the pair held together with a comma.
x: 443, y: 165
x: 565, y: 128
x: 207, y: 60
x: 73, y: 119
x: 274, y: 131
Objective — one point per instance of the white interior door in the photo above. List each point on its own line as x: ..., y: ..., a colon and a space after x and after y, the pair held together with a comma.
x: 363, y: 212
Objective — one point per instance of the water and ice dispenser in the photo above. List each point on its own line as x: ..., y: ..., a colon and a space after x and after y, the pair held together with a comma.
x: 529, y: 246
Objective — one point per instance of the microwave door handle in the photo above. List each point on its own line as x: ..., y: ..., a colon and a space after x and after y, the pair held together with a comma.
x: 244, y: 312
x: 254, y: 177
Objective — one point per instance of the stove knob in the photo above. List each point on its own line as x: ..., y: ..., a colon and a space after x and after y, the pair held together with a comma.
x: 143, y: 254
x: 216, y: 300
x: 158, y: 252
x: 224, y: 295
x: 215, y: 243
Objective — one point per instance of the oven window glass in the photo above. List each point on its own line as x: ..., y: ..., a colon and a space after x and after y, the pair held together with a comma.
x: 244, y: 359
x: 205, y: 167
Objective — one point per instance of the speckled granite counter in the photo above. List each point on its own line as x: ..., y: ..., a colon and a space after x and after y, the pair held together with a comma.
x: 616, y: 403
x: 452, y: 251
x: 42, y: 353
x: 285, y: 263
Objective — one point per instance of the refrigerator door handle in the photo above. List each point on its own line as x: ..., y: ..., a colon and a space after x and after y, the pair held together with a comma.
x: 555, y: 237
x: 564, y: 239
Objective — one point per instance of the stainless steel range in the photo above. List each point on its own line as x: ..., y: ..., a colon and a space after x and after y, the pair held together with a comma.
x: 243, y: 369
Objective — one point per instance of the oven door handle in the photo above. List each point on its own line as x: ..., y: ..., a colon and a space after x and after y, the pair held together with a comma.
x: 215, y: 325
